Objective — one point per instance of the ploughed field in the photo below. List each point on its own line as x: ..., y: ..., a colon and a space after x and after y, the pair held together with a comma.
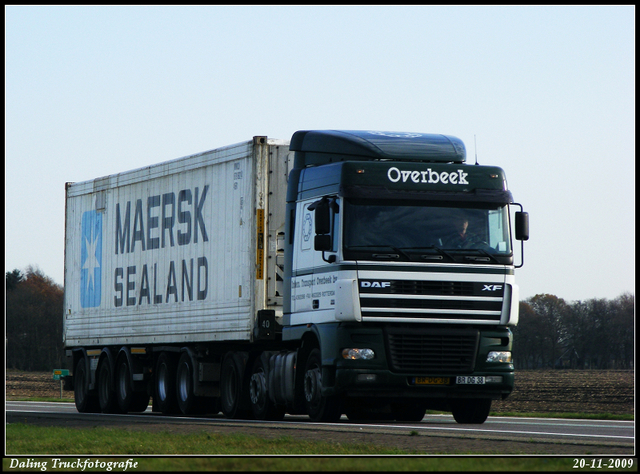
x: 536, y: 391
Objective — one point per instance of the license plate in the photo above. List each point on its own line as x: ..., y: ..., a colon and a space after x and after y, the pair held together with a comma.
x: 431, y: 380
x: 465, y: 380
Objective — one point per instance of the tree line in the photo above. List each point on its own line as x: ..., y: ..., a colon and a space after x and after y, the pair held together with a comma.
x: 592, y: 334
x: 33, y: 321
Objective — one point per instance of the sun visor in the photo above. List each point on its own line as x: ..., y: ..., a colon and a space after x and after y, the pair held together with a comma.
x: 316, y: 147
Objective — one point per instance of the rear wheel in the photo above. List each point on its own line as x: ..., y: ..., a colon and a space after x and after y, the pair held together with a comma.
x: 85, y: 402
x: 164, y: 398
x: 106, y: 389
x: 262, y: 406
x: 188, y: 402
x: 231, y: 393
x: 471, y: 411
x: 128, y: 399
x: 319, y: 407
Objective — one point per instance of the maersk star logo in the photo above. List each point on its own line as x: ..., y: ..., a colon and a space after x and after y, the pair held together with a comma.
x: 91, y: 260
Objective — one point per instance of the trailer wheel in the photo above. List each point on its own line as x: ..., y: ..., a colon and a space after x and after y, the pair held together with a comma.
x: 262, y: 406
x: 164, y: 398
x: 128, y: 399
x: 106, y: 389
x: 85, y: 402
x: 188, y: 402
x: 471, y: 411
x: 231, y: 385
x: 319, y: 407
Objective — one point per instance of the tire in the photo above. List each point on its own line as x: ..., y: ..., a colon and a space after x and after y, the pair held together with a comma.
x: 319, y: 407
x: 231, y: 387
x: 128, y: 399
x: 85, y: 402
x: 164, y: 383
x: 471, y: 411
x: 188, y: 402
x: 262, y: 406
x: 106, y: 389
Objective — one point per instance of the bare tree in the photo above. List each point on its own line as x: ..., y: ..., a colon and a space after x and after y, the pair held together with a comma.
x: 551, y: 312
x: 527, y: 340
x: 33, y: 321
x: 592, y: 334
x: 622, y: 331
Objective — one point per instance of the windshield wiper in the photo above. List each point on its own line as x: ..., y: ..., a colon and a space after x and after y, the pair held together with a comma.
x: 487, y: 256
x: 440, y: 252
x: 382, y: 255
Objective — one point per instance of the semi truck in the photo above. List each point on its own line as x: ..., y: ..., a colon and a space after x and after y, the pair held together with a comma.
x: 359, y: 273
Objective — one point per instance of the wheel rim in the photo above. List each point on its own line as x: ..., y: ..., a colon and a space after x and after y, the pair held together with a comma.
x: 312, y: 382
x: 258, y: 389
x: 183, y: 383
x: 230, y: 388
x: 162, y: 382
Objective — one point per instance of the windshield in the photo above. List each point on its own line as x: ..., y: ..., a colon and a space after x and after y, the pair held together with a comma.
x: 404, y: 228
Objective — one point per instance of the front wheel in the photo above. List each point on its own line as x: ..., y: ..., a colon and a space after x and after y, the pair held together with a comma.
x: 319, y: 407
x: 471, y: 411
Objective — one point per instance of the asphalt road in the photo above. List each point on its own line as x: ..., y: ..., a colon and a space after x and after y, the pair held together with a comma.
x: 550, y: 436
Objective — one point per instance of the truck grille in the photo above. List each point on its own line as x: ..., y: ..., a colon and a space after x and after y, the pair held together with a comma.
x: 430, y: 351
x: 431, y: 300
x: 413, y: 287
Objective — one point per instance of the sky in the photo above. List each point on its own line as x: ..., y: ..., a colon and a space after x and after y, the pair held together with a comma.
x: 545, y: 92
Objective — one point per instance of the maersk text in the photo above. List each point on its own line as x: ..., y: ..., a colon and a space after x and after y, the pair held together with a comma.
x: 161, y: 213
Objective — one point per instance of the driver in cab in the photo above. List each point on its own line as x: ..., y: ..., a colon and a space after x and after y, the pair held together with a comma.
x: 460, y: 238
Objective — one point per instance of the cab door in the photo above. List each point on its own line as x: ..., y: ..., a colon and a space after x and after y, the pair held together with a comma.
x: 304, y: 261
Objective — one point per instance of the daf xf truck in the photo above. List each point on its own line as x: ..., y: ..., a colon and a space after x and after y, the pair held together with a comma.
x: 362, y: 273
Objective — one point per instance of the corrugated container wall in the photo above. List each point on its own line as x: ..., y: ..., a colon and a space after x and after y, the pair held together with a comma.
x: 183, y: 251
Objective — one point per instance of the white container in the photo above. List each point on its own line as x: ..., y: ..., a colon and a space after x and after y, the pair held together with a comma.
x: 182, y: 251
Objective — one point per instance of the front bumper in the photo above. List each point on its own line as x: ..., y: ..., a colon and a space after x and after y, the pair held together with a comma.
x: 383, y: 383
x: 404, y: 353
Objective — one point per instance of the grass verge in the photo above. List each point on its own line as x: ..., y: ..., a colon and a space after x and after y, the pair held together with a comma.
x: 33, y: 440
x: 212, y: 452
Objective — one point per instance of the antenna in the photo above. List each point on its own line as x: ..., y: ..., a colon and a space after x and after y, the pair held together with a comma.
x: 475, y: 147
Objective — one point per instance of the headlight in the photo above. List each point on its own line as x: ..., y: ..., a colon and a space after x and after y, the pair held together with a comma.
x: 358, y: 354
x: 499, y: 356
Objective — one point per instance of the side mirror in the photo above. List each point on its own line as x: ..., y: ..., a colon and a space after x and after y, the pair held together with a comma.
x: 322, y: 216
x: 522, y: 225
x: 323, y: 242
